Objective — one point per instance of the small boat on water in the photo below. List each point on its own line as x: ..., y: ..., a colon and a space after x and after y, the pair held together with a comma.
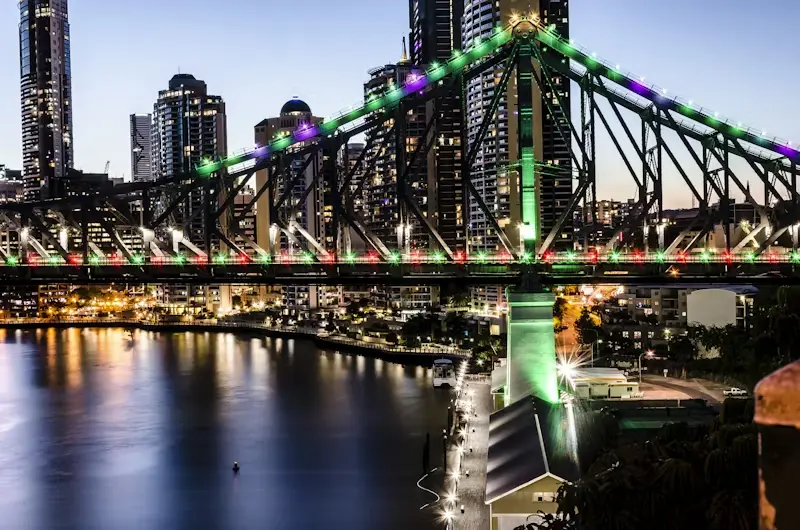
x: 444, y: 373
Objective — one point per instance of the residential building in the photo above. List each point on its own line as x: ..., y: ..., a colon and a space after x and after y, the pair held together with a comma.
x: 141, y: 131
x: 495, y: 173
x: 555, y: 176
x: 608, y: 217
x: 46, y: 95
x: 11, y: 185
x: 188, y: 126
x: 385, y: 212
x: 435, y: 31
x: 643, y: 317
x: 302, y: 216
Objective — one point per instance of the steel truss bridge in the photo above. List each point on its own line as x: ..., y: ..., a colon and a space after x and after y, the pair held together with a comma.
x: 651, y: 131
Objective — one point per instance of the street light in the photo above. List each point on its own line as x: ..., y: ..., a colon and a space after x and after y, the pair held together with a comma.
x: 591, y: 346
x: 648, y: 353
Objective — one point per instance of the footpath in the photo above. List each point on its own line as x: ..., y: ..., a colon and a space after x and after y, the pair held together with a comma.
x: 463, y: 498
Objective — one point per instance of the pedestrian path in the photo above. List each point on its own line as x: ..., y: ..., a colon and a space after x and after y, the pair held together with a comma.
x: 463, y: 499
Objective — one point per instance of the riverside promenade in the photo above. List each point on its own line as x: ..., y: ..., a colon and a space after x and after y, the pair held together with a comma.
x: 321, y: 338
x: 465, y: 484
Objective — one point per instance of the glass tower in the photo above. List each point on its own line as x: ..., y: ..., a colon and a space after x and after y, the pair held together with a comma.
x: 46, y: 95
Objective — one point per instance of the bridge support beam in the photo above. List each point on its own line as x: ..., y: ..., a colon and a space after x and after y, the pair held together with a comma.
x: 531, y: 366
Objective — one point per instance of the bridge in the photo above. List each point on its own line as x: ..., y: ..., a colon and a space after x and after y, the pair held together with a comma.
x: 139, y: 232
x: 131, y: 232
x: 550, y: 269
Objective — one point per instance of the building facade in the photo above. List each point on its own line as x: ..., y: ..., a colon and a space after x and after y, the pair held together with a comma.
x: 495, y: 174
x: 303, y: 213
x: 555, y: 175
x: 435, y: 31
x: 385, y: 213
x: 188, y: 125
x: 46, y: 95
x: 141, y: 131
x: 644, y: 317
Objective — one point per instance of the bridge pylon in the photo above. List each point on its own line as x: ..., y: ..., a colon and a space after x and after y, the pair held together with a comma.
x: 531, y: 366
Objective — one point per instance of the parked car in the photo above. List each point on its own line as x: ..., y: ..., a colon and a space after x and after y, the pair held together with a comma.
x: 735, y: 392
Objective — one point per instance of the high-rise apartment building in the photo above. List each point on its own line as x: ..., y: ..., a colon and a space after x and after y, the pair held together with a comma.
x: 188, y: 125
x: 385, y: 213
x: 46, y: 95
x: 141, y: 130
x: 490, y: 174
x: 302, y: 221
x: 555, y: 176
x: 435, y: 31
x: 495, y: 173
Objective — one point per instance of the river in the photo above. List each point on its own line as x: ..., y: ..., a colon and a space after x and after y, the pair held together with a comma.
x: 101, y: 431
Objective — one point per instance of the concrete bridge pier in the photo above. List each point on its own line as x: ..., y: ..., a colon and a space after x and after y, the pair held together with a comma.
x: 531, y: 366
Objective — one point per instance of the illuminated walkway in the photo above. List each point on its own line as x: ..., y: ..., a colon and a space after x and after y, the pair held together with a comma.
x: 471, y: 490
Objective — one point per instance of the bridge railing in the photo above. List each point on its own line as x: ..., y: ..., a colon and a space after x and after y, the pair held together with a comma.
x: 711, y: 256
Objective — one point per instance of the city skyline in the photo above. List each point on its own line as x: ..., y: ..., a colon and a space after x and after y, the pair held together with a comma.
x: 102, y: 130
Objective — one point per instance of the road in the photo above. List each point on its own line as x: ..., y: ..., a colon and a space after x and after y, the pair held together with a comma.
x: 694, y: 387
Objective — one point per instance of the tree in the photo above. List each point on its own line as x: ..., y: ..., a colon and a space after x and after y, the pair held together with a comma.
x: 455, y: 326
x: 586, y: 329
x: 236, y: 301
x: 687, y: 477
x: 681, y: 348
x: 558, y: 307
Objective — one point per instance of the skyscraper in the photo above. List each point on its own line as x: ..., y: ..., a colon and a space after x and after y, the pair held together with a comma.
x: 188, y: 125
x: 386, y: 214
x: 494, y: 173
x: 46, y: 95
x: 555, y: 177
x: 141, y: 150
x: 435, y: 31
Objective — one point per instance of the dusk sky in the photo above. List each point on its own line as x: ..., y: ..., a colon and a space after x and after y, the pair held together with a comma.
x: 734, y: 56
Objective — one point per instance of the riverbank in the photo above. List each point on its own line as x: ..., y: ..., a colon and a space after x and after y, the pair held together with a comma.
x: 423, y: 356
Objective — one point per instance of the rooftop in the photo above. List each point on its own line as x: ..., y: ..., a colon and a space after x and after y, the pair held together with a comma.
x: 527, y: 441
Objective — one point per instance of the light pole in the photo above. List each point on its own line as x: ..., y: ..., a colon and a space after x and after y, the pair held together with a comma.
x: 648, y: 353
x: 591, y: 346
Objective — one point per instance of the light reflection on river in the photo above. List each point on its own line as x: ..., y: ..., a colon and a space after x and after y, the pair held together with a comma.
x: 98, y: 431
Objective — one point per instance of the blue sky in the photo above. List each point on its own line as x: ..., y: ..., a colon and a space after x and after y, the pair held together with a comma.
x: 734, y: 56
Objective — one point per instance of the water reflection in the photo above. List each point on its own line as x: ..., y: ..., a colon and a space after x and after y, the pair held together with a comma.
x: 101, y: 431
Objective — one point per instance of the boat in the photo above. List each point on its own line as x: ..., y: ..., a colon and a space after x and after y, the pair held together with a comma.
x: 444, y: 373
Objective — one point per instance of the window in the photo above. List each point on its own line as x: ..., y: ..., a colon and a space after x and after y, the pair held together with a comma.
x: 544, y: 496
